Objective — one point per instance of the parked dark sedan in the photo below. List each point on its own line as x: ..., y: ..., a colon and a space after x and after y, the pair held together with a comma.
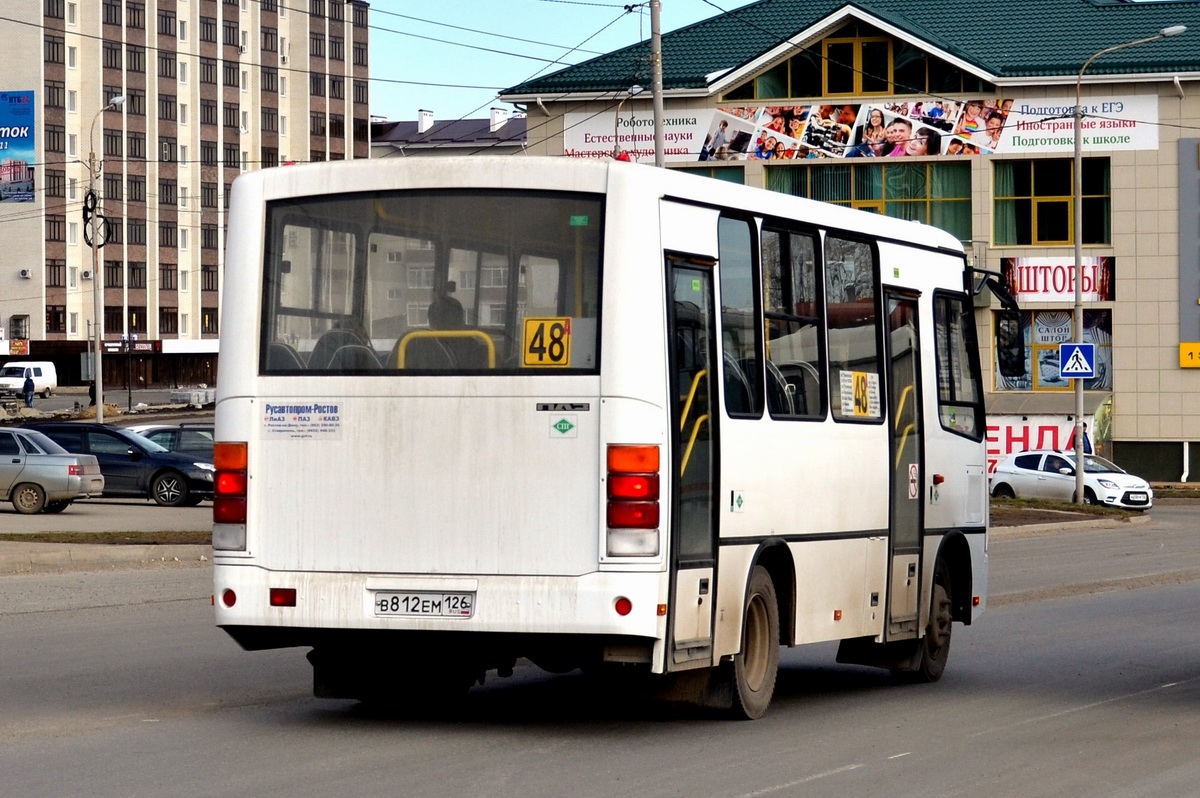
x: 135, y: 466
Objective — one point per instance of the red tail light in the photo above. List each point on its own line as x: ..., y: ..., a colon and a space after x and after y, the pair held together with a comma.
x: 75, y: 470
x: 229, y: 487
x: 633, y: 487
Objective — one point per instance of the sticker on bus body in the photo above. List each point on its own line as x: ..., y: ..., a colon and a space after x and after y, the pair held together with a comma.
x: 547, y: 342
x: 302, y: 420
x: 860, y: 394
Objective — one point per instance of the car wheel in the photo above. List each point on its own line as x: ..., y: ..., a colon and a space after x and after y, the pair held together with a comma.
x: 28, y: 498
x: 1089, y: 497
x: 169, y: 489
x: 46, y: 394
x: 58, y: 506
x: 1004, y: 491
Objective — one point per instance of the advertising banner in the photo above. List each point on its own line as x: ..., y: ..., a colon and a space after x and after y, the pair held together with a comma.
x: 1053, y: 279
x: 892, y: 129
x: 17, y: 128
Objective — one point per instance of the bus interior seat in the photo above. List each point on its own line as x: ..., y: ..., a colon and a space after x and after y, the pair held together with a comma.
x: 422, y: 353
x: 331, y: 341
x: 354, y: 357
x: 739, y: 395
x: 283, y: 357
x: 780, y: 392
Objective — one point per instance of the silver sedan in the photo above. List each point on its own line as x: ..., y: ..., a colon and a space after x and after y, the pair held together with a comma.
x: 36, y: 474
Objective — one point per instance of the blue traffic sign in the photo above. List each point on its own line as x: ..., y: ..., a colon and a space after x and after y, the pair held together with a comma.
x: 1077, y: 361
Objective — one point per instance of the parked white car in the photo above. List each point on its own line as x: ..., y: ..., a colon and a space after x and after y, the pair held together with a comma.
x: 1050, y: 474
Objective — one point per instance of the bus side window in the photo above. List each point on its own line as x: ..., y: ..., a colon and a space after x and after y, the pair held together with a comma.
x: 793, y: 313
x: 741, y: 330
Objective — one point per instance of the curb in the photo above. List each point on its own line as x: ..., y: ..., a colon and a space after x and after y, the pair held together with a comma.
x: 1068, y: 526
x: 28, y: 557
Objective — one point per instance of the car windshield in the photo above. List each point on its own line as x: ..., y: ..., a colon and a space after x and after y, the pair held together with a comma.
x: 41, y: 442
x: 12, y: 371
x: 144, y: 442
x: 1093, y: 464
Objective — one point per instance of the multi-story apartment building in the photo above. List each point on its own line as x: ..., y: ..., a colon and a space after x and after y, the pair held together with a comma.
x: 156, y: 106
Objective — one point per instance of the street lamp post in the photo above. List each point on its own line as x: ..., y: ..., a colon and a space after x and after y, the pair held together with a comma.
x: 1077, y: 321
x: 97, y: 278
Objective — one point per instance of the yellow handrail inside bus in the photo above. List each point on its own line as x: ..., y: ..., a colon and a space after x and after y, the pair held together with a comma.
x: 687, y: 453
x: 903, y: 441
x: 687, y: 405
x: 903, y: 400
x: 413, y: 335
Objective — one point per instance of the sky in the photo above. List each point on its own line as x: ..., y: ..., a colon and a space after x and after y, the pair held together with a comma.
x: 476, y: 48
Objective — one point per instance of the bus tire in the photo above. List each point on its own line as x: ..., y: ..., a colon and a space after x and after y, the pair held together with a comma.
x: 935, y: 646
x: 755, y: 667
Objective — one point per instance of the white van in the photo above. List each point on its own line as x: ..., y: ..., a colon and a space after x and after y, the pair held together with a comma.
x: 45, y: 376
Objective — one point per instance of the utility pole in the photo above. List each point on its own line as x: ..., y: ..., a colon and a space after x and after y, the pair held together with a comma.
x: 656, y: 80
x: 93, y: 222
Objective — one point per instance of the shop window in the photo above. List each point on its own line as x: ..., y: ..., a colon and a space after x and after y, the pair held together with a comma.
x: 1043, y: 331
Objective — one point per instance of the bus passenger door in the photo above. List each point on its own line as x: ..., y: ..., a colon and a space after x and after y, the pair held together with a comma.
x: 906, y: 516
x: 692, y: 331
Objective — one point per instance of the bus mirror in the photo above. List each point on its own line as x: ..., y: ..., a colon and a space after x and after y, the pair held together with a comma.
x: 1010, y: 344
x: 1007, y: 300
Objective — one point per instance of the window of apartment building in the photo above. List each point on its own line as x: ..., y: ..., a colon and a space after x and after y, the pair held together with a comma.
x: 135, y: 58
x: 168, y: 107
x: 183, y: 30
x: 72, y: 101
x: 135, y: 102
x: 72, y: 57
x: 168, y: 192
x: 316, y: 45
x: 208, y: 240
x: 112, y: 12
x: 361, y: 93
x: 135, y: 15
x: 208, y: 321
x: 114, y: 320
x: 56, y: 136
x: 282, y: 125
x: 167, y: 149
x: 208, y: 29
x: 337, y: 10
x: 283, y: 85
x: 337, y: 126
x: 73, y: 235
x: 228, y: 193
x: 56, y: 318
x: 183, y: 71
x: 362, y: 130
x: 55, y: 49
x: 230, y: 33
x: 183, y: 323
x: 360, y: 53
x: 137, y: 319
x: 316, y: 84
x: 183, y: 112
x: 208, y: 277
x: 112, y: 56
x: 72, y: 13
x: 115, y: 230
x: 135, y: 232
x: 208, y: 71
x: 208, y: 153
x: 316, y: 124
x: 114, y: 277
x: 270, y: 6
x: 55, y: 92
x: 56, y: 273
x: 166, y: 23
x: 316, y: 8
x: 168, y: 236
x: 337, y: 48
x: 938, y: 194
x: 231, y: 157
x: 166, y: 65
x: 73, y: 151
x: 167, y: 274
x: 337, y: 87
x: 168, y: 321
x: 114, y: 144
x: 270, y: 39
x: 208, y: 112
x: 136, y: 186
x: 208, y: 195
x: 183, y: 245
x: 53, y: 9
x: 137, y: 274
x: 316, y: 156
x: 270, y: 120
x: 269, y: 78
x: 229, y: 75
x: 360, y: 15
x: 56, y: 183
x: 270, y: 157
x: 230, y: 114
x: 1033, y: 202
x: 113, y: 186
x: 137, y: 146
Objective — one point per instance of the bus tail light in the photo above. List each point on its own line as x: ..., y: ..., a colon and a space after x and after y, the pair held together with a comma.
x: 633, y: 501
x: 229, y: 495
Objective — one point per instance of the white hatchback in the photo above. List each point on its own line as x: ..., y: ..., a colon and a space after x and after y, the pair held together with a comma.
x: 1050, y: 474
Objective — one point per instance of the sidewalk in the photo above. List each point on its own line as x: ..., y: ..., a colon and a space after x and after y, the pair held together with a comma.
x: 20, y: 557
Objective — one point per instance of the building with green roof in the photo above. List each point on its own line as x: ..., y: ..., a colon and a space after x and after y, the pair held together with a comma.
x: 959, y: 114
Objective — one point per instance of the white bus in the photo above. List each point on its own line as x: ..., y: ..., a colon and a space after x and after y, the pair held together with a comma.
x: 593, y: 415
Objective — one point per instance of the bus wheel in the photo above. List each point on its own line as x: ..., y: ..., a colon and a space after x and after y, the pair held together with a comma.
x: 935, y: 648
x: 755, y: 667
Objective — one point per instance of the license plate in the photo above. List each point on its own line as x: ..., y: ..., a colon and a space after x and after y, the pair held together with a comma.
x: 437, y: 605
x: 1137, y: 497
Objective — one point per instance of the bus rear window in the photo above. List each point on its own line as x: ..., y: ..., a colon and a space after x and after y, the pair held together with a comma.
x: 432, y: 282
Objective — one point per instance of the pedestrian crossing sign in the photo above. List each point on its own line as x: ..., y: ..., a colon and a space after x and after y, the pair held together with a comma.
x: 1077, y: 361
